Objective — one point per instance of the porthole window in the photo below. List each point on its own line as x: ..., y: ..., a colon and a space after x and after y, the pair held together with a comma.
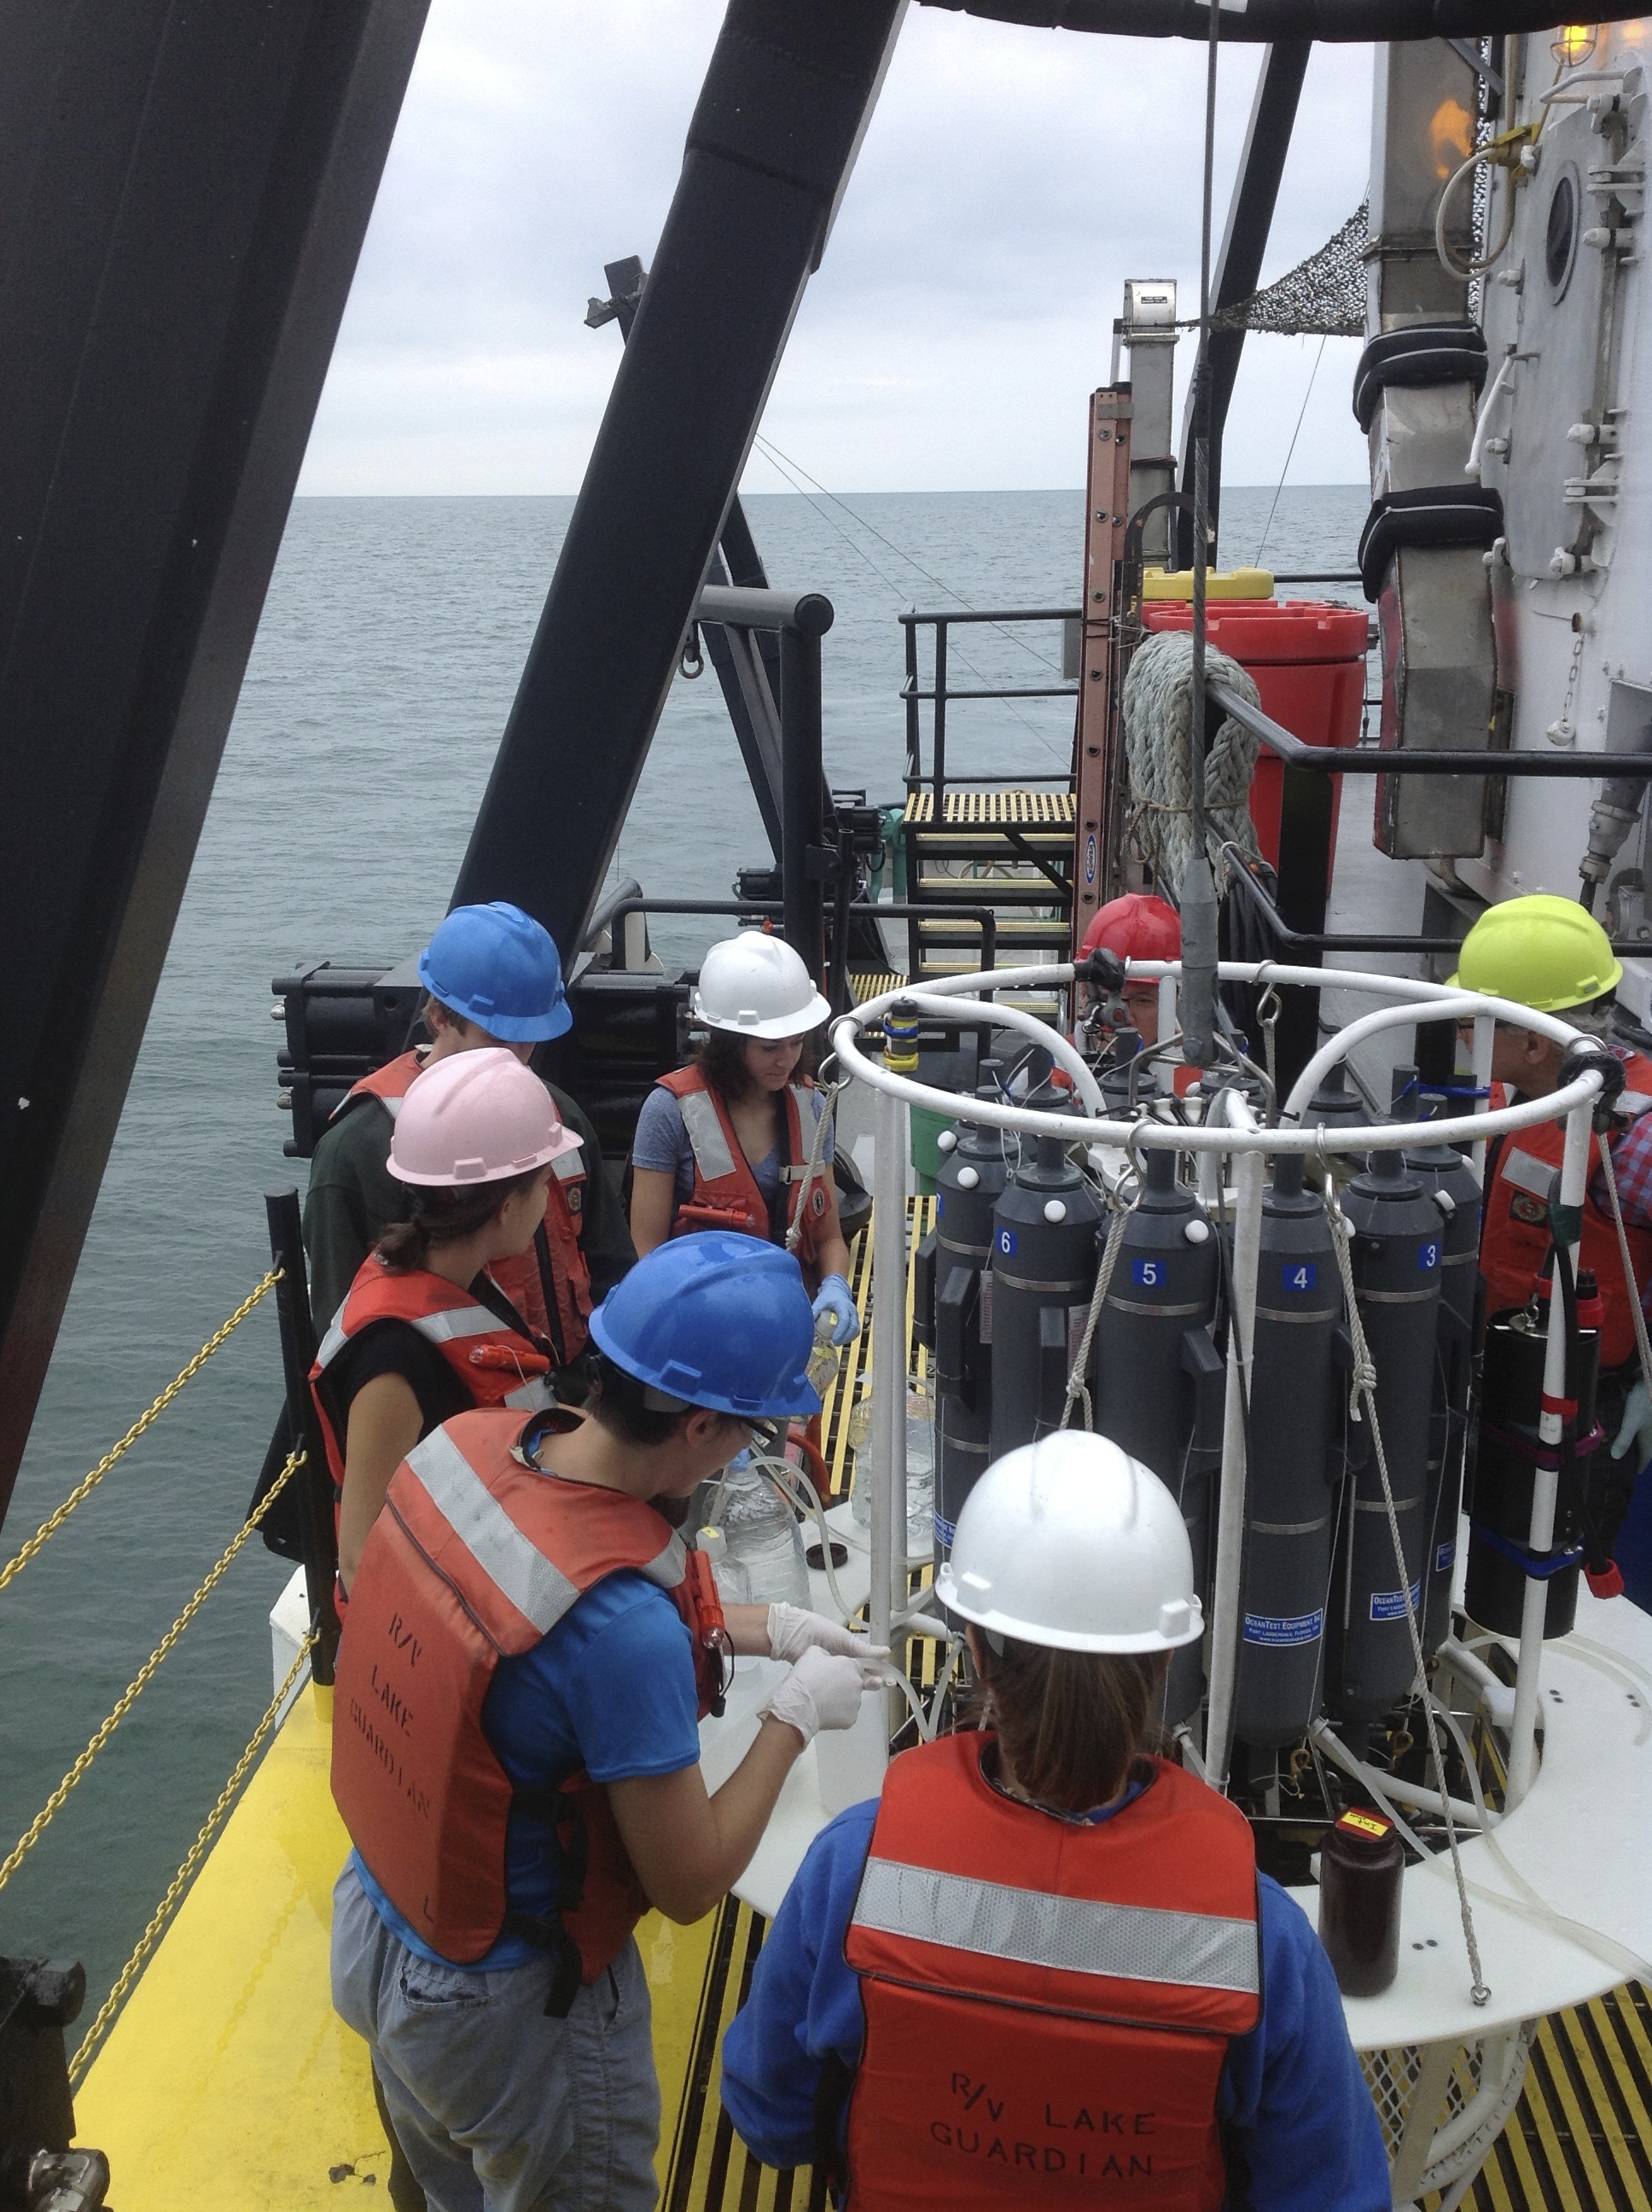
x: 1560, y: 241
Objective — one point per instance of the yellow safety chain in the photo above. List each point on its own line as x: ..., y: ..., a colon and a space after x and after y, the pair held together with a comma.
x: 135, y: 1688
x: 186, y: 1873
x: 83, y: 1490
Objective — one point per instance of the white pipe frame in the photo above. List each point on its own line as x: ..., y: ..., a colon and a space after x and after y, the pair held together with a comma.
x: 1240, y: 1135
x: 1250, y: 1171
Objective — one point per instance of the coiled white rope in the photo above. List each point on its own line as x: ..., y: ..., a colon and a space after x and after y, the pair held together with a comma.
x: 1158, y: 719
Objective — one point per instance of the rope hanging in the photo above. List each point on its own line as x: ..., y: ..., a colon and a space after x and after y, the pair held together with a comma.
x: 1363, y: 1387
x: 1158, y: 717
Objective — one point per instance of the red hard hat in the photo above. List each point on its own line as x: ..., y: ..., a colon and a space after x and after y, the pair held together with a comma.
x: 1137, y: 926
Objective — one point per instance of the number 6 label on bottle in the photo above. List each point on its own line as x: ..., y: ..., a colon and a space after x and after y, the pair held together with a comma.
x: 1006, y: 1242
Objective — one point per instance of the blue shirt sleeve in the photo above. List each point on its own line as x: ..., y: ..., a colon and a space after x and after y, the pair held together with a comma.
x: 1292, y: 2090
x: 661, y: 1142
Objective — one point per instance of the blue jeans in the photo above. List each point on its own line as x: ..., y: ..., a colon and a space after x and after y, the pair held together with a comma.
x: 498, y: 2108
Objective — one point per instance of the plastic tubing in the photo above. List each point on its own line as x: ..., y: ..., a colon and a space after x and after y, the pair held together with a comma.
x: 1432, y: 1000
x: 1064, y: 1051
x: 889, y: 1360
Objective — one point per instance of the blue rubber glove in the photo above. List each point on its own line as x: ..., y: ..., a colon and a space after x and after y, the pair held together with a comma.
x: 1635, y: 1428
x: 834, y: 1297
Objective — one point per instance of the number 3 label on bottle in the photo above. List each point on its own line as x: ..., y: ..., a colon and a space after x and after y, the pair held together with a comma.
x: 1149, y: 1273
x: 1302, y: 1275
x: 1428, y: 1256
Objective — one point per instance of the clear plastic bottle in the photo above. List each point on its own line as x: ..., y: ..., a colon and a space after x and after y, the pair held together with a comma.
x: 921, y: 1466
x: 733, y: 1583
x: 761, y: 1535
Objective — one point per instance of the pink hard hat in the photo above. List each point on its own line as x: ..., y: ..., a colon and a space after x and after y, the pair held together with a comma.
x: 476, y: 1117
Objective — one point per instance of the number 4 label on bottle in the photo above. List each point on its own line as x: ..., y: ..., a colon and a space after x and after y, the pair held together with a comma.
x: 1302, y: 1275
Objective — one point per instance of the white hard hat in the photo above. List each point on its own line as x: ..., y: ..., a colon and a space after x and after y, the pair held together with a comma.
x: 755, y: 985
x: 1070, y: 1543
x: 477, y: 1117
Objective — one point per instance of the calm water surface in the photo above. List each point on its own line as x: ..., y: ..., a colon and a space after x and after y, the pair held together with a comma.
x: 385, y: 668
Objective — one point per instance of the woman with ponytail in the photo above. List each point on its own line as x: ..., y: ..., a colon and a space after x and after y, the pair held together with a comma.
x: 423, y: 1333
x: 1042, y: 1968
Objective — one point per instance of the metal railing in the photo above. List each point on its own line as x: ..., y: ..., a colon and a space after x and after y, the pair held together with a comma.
x: 940, y: 693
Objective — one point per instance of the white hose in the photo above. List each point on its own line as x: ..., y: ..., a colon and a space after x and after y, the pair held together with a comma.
x: 1483, y: 414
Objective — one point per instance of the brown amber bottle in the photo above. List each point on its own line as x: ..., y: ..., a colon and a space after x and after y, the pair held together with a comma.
x: 1361, y: 1861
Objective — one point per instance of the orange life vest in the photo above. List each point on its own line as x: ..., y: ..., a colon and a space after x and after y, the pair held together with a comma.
x: 1515, y: 1236
x: 1048, y: 2003
x: 521, y: 1277
x: 495, y: 1365
x: 726, y: 1195
x: 476, y: 1558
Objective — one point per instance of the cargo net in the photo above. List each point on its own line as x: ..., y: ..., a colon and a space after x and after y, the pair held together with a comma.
x: 1324, y: 295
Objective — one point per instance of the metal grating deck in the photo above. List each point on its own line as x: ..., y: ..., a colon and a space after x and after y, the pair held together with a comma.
x: 992, y: 810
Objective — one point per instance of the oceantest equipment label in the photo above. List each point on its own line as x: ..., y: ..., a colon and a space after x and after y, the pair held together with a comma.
x: 1283, y: 1629
x: 1390, y: 1605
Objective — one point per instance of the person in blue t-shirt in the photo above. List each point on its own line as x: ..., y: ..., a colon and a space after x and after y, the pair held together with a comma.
x: 1043, y: 1955
x: 519, y: 2072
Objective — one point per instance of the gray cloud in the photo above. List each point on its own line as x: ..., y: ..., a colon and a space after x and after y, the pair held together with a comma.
x: 1010, y: 182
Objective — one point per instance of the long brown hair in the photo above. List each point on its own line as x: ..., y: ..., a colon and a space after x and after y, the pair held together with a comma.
x: 1071, y: 1723
x: 437, y: 1215
x: 721, y: 1059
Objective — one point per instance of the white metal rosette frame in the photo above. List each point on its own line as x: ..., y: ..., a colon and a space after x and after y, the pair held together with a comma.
x: 1550, y: 1895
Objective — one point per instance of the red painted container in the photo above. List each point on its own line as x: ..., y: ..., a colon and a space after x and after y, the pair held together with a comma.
x: 1308, y: 660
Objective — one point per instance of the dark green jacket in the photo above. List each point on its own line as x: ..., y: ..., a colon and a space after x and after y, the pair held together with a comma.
x: 353, y: 1199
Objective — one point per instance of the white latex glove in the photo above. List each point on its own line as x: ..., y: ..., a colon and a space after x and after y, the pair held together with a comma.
x: 835, y: 1298
x: 823, y: 1690
x: 791, y: 1631
x: 1635, y: 1428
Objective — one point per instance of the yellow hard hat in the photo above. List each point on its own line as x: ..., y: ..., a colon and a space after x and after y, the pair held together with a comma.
x: 1543, y: 952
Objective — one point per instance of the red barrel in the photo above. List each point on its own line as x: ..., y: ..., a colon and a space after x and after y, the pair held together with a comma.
x: 1307, y: 661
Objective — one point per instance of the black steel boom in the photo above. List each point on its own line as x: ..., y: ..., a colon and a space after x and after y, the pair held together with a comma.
x: 183, y: 194
x: 790, y: 86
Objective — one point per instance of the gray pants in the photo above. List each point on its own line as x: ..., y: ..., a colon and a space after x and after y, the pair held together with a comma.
x: 498, y: 2108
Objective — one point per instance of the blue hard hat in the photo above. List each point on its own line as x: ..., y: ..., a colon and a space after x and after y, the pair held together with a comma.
x: 500, y: 968
x: 717, y: 1319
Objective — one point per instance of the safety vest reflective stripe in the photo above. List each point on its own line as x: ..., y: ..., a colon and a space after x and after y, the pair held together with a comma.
x: 1540, y: 1178
x: 712, y: 1155
x: 1036, y: 1928
x: 568, y: 1166
x: 447, y: 1328
x: 540, y: 1591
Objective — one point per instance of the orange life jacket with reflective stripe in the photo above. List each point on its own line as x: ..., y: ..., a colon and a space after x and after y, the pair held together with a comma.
x: 521, y: 1279
x: 476, y: 1558
x: 726, y: 1194
x: 1514, y: 1234
x: 496, y: 1364
x: 1048, y: 2002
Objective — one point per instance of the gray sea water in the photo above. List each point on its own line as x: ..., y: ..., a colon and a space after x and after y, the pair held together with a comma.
x: 383, y: 672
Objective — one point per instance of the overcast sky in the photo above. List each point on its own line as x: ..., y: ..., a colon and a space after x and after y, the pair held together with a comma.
x: 1010, y: 182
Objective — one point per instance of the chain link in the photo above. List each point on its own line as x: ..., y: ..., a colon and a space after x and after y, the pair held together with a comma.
x: 49, y: 1528
x: 186, y: 1873
x: 135, y: 1688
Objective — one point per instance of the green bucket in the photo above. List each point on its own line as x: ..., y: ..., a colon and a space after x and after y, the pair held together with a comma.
x: 926, y: 1128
